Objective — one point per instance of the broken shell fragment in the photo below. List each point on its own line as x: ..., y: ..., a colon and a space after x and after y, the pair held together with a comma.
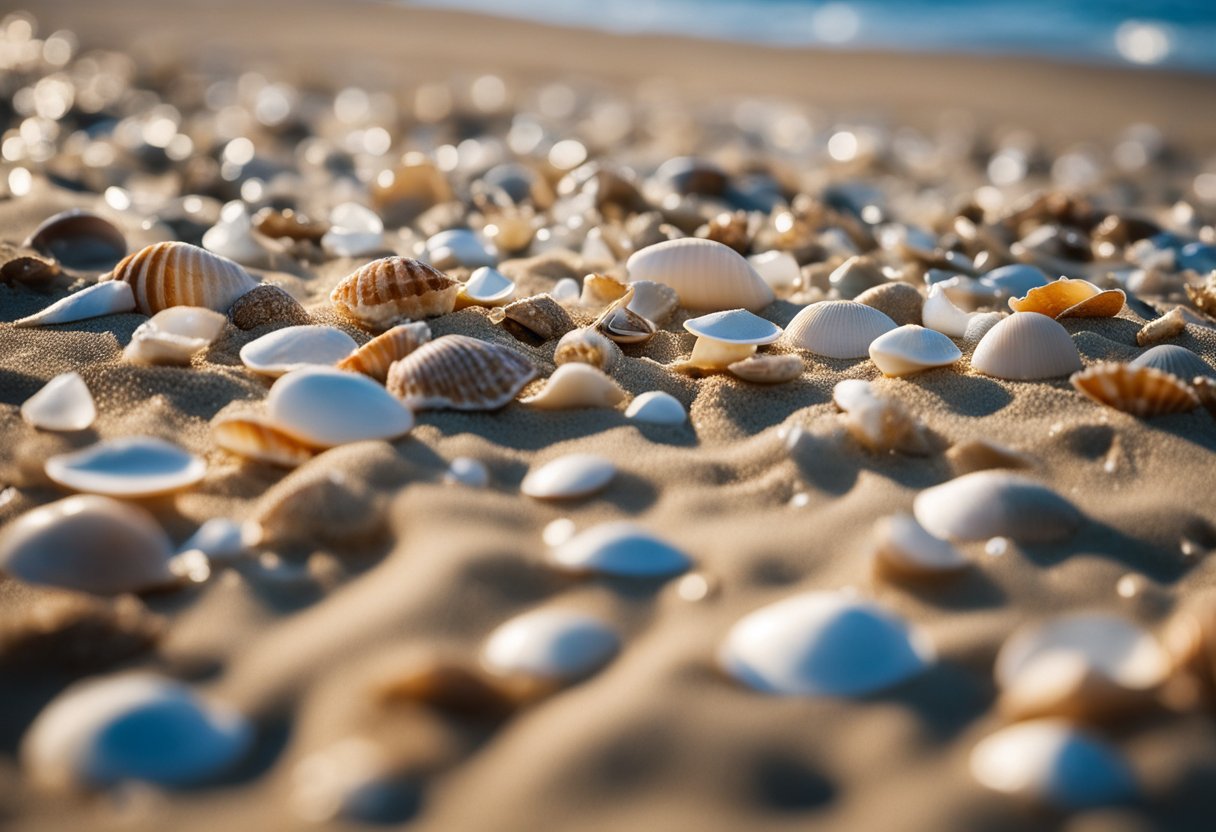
x: 325, y: 407
x: 655, y: 407
x: 63, y: 404
x: 619, y: 548
x: 577, y: 385
x: 910, y: 349
x: 79, y: 240
x: 656, y: 302
x: 376, y: 356
x: 487, y: 287
x: 726, y: 337
x: 939, y: 313
x: 459, y: 373
x: 254, y: 437
x: 878, y: 423
x: 1141, y: 391
x: 91, y: 302
x: 768, y: 369
x: 903, y: 549
x: 178, y: 274
x: 837, y: 328
x: 587, y: 346
x: 1167, y: 326
x: 394, y: 289
x: 550, y: 647
x: 134, y: 466
x: 24, y: 265
x: 706, y: 275
x: 174, y: 335
x: 1026, y: 346
x: 537, y: 319
x: 293, y: 347
x: 1069, y: 298
x: 624, y: 326
x: 988, y: 504
x: 569, y: 477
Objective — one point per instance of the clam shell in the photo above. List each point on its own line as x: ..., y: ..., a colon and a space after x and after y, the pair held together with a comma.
x: 910, y: 349
x: 707, y: 276
x: 988, y: 504
x: 1067, y: 298
x: 79, y: 240
x: 1141, y: 391
x: 266, y: 304
x: 569, y: 477
x: 487, y: 287
x: 460, y: 373
x: 655, y: 407
x: 325, y: 407
x: 1178, y: 361
x: 174, y: 335
x: 376, y: 356
x: 293, y: 347
x: 253, y: 437
x: 878, y: 423
x: 87, y: 543
x: 178, y: 274
x: 901, y: 302
x: 903, y: 549
x: 468, y: 471
x: 837, y: 328
x: 940, y: 314
x: 577, y: 385
x: 619, y: 548
x: 458, y: 247
x: 90, y: 302
x: 63, y: 404
x: 587, y: 346
x: 768, y: 369
x: 656, y: 302
x: 1026, y: 346
x: 134, y: 466
x: 1167, y: 326
x: 552, y: 646
x: 537, y: 319
x: 823, y: 644
x: 394, y: 289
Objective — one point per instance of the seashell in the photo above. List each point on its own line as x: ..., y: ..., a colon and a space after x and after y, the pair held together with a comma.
x: 1026, y: 347
x: 174, y: 335
x: 79, y: 240
x: 599, y: 290
x: 315, y: 505
x: 903, y: 549
x: 293, y: 347
x: 90, y: 302
x: 233, y: 237
x: 288, y: 224
x: 352, y: 780
x: 87, y: 543
x: 878, y: 423
x: 910, y: 349
x: 656, y: 302
x: 577, y: 385
x: 216, y: 539
x: 550, y: 647
x: 569, y: 477
x: 460, y: 373
x: 565, y: 291
x: 726, y: 337
x: 707, y: 276
x: 376, y: 356
x: 132, y: 727
x: 537, y: 319
x: 983, y: 454
x: 690, y: 175
x: 988, y: 504
x: 487, y: 287
x: 1052, y: 762
x: 25, y: 265
x: 254, y: 437
x: 619, y: 548
x: 266, y: 304
x: 981, y: 324
x: 587, y: 346
x: 856, y: 275
x: 63, y: 404
x: 823, y: 644
x: 458, y: 247
x: 901, y: 302
x: 467, y: 471
x: 1197, y: 257
x: 1169, y: 325
x: 596, y: 252
x: 655, y: 407
x: 1015, y: 280
x: 730, y: 229
x: 965, y: 292
x: 325, y: 407
x: 1141, y: 391
x: 624, y: 326
x: 133, y: 466
x: 394, y: 289
x: 940, y: 314
x: 354, y: 231
x: 178, y: 274
x: 1205, y: 391
x: 1203, y: 297
x: 768, y: 369
x: 778, y: 269
x: 1067, y: 298
x: 1178, y: 361
x: 837, y: 328
x: 410, y: 188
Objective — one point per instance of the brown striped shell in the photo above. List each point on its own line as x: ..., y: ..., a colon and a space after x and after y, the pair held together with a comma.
x: 377, y: 355
x: 460, y: 373
x: 178, y: 274
x: 394, y: 289
x: 1140, y: 391
x: 252, y: 437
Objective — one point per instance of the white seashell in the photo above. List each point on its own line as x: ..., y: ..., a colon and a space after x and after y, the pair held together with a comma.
x: 174, y: 335
x: 980, y: 325
x: 178, y: 274
x: 910, y: 349
x: 1026, y: 346
x: 565, y: 291
x: 655, y: 407
x: 837, y: 328
x: 293, y: 347
x: 823, y: 644
x: 134, y: 466
x: 133, y: 727
x: 1015, y: 280
x: 656, y: 302
x: 879, y: 423
x: 1053, y: 762
x: 987, y: 504
x: 218, y: 539
x: 63, y: 404
x: 619, y: 548
x: 354, y: 231
x: 87, y: 543
x: 903, y: 549
x: 550, y: 645
x: 726, y: 337
x: 467, y: 471
x: 458, y: 247
x: 705, y: 274
x: 1176, y: 360
x: 105, y: 298
x: 488, y: 287
x: 569, y: 477
x: 577, y: 385
x: 778, y: 269
x: 587, y: 346
x: 325, y: 407
x: 940, y: 314
x: 232, y: 236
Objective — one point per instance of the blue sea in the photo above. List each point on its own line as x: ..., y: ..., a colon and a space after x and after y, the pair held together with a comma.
x: 1153, y: 33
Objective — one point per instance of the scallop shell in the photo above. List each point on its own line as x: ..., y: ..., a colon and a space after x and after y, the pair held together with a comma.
x: 79, y: 240
x: 655, y: 407
x: 174, y: 335
x: 768, y: 369
x: 550, y: 646
x: 63, y: 404
x: 1167, y: 326
x: 266, y: 304
x: 878, y: 423
x: 1067, y: 298
x: 901, y: 302
x: 134, y: 466
x: 619, y: 548
x: 325, y: 407
x: 569, y: 477
x: 1175, y: 360
x: 577, y: 385
x: 656, y: 302
x: 903, y: 549
x: 837, y: 328
x: 587, y: 346
x: 178, y: 274
x: 90, y: 302
x: 910, y: 349
x: 707, y: 276
x: 988, y: 504
x: 376, y: 356
x: 87, y: 543
x: 537, y: 319
x: 940, y: 314
x: 460, y: 373
x: 253, y: 437
x: 823, y: 644
x: 487, y: 287
x: 1026, y: 346
x: 1141, y: 391
x: 394, y: 289
x: 293, y: 347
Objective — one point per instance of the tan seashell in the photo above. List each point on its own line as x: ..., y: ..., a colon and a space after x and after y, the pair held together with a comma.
x: 178, y: 274
x: 446, y: 686
x: 1068, y: 298
x: 267, y: 304
x: 460, y: 373
x: 288, y: 224
x: 599, y: 290
x: 656, y: 302
x: 1176, y: 360
x: 706, y: 275
x: 25, y: 265
x: 1167, y: 326
x: 253, y: 437
x: 377, y: 355
x: 1204, y: 389
x: 394, y: 289
x: 904, y: 550
x: 837, y: 328
x: 1190, y: 641
x: 537, y: 319
x: 587, y: 346
x: 768, y: 369
x: 317, y: 505
x: 1141, y: 391
x: 577, y: 385
x: 878, y: 423
x: 1026, y: 346
x: 901, y: 302
x: 982, y: 455
x: 79, y: 240
x: 1203, y: 297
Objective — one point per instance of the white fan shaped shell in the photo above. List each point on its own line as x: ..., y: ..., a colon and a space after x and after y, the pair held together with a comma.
x: 550, y: 644
x: 63, y: 404
x: 131, y: 466
x: 987, y: 504
x: 568, y: 477
x: 292, y: 347
x: 707, y: 275
x: 324, y: 407
x: 910, y: 349
x: 837, y: 328
x: 1026, y: 346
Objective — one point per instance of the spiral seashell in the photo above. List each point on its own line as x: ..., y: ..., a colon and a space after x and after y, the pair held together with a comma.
x: 178, y: 274
x: 394, y: 289
x: 768, y: 369
x: 1178, y: 361
x: 577, y: 385
x: 1026, y: 346
x: 837, y: 328
x: 253, y: 437
x: 587, y: 346
x: 910, y: 349
x: 377, y: 355
x: 537, y: 319
x: 1167, y: 326
x: 79, y: 240
x: 1141, y: 391
x: 707, y: 276
x: 1067, y: 298
x: 459, y: 373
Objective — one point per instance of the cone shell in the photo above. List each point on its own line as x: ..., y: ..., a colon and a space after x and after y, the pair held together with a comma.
x: 460, y: 373
x: 577, y: 385
x: 837, y: 328
x: 989, y: 504
x: 178, y: 274
x: 1067, y: 298
x: 706, y: 275
x: 253, y: 437
x: 394, y: 289
x: 1026, y: 347
x: 910, y: 349
x: 1176, y: 360
x: 587, y: 346
x: 377, y: 355
x: 1141, y: 391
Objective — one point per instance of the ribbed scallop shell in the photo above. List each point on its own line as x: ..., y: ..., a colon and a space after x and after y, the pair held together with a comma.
x: 1067, y: 298
x: 910, y: 349
x: 707, y: 276
x: 377, y: 355
x: 255, y: 438
x: 1140, y: 391
x: 460, y: 373
x: 178, y: 274
x: 1026, y: 346
x: 1176, y: 360
x: 394, y: 289
x: 837, y: 328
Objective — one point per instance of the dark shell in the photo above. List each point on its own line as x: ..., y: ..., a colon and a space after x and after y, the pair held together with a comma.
x: 25, y: 265
x: 79, y: 240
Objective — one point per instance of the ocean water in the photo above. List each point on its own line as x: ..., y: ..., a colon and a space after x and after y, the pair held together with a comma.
x: 1151, y: 33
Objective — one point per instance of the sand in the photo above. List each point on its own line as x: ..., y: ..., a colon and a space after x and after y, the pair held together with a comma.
x: 762, y: 488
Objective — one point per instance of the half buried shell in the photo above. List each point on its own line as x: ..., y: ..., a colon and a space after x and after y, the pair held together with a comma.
x: 460, y: 373
x: 394, y: 289
x: 376, y: 356
x: 1141, y: 391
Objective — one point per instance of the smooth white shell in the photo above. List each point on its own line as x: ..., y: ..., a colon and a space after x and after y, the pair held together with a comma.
x: 458, y: 247
x: 1026, y: 346
x: 568, y: 477
x: 734, y: 326
x: 466, y: 470
x: 64, y: 403
x: 837, y: 328
x: 705, y: 274
x: 903, y: 547
x: 550, y: 644
x: 324, y: 407
x: 218, y: 539
x: 488, y: 287
x: 132, y: 466
x: 105, y: 298
x: 657, y: 408
x: 910, y: 349
x: 941, y: 315
x: 293, y: 347
x: 778, y: 269
x: 232, y: 236
x: 577, y: 385
x: 565, y: 290
x: 1015, y: 280
x: 355, y: 231
x: 174, y: 335
x: 619, y: 548
x: 987, y: 504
